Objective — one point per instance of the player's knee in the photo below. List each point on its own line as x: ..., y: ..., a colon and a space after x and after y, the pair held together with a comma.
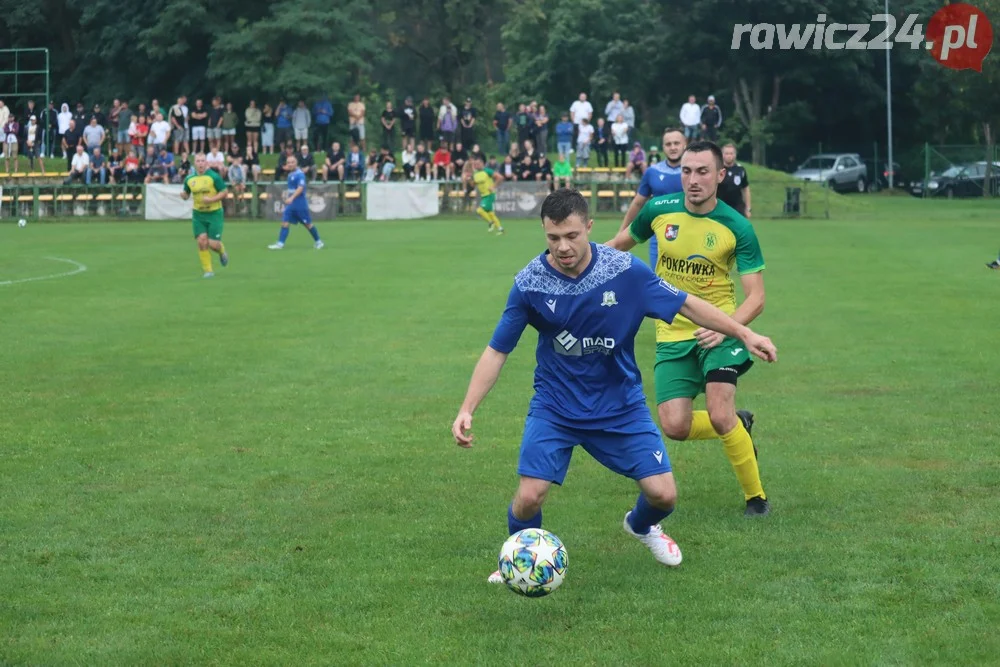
x: 675, y: 427
x: 529, y: 501
x: 723, y: 418
x: 663, y: 497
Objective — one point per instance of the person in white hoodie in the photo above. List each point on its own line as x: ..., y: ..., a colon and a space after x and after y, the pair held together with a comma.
x: 691, y: 118
x: 301, y: 121
x: 63, y: 119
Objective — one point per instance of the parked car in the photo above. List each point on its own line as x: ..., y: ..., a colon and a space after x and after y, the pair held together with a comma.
x: 960, y: 180
x: 839, y: 171
x: 900, y: 179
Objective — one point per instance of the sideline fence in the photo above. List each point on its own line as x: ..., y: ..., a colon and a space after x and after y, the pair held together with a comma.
x: 782, y: 198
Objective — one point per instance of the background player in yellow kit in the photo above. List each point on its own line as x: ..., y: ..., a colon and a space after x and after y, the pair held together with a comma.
x: 486, y: 183
x: 208, y: 190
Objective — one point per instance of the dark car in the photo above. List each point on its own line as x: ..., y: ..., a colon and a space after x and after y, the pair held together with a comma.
x: 961, y: 180
x: 899, y: 178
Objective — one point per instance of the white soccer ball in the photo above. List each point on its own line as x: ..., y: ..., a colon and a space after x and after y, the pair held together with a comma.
x: 533, y: 562
x: 22, y: 223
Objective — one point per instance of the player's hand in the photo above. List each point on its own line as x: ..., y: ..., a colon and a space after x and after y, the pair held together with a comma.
x: 461, y: 429
x: 761, y: 346
x: 707, y: 339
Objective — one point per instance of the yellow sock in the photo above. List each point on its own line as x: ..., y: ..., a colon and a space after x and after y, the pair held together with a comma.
x: 739, y: 449
x: 481, y: 212
x: 496, y: 220
x: 701, y: 427
x: 206, y: 260
x: 221, y: 249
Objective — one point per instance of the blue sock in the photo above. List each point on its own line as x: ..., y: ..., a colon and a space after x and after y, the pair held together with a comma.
x: 283, y: 235
x: 645, y: 515
x: 314, y: 232
x: 514, y: 524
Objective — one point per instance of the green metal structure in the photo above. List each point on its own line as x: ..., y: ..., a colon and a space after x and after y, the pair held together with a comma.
x: 32, y: 64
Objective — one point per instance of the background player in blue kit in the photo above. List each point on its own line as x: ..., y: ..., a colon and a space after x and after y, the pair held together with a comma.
x: 587, y: 302
x: 662, y: 178
x: 296, y: 206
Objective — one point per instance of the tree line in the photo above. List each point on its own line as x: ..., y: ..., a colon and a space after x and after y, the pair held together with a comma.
x: 779, y: 105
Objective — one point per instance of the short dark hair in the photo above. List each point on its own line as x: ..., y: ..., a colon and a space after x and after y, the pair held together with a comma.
x: 561, y: 204
x: 704, y: 145
x: 673, y: 129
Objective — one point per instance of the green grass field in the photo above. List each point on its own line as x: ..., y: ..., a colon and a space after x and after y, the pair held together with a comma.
x: 257, y: 469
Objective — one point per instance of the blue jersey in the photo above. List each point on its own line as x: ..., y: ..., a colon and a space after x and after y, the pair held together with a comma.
x: 660, y: 179
x: 296, y: 180
x: 586, y: 375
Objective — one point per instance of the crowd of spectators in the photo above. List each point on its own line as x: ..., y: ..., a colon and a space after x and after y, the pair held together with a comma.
x: 150, y: 143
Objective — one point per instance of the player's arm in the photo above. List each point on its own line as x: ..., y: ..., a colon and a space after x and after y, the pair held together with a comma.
x: 746, y: 197
x: 747, y: 312
x: 663, y: 301
x: 641, y: 197
x: 220, y: 190
x: 497, y: 180
x: 638, y: 230
x: 710, y: 317
x: 219, y: 195
x: 295, y: 193
x: 484, y: 376
x: 508, y: 331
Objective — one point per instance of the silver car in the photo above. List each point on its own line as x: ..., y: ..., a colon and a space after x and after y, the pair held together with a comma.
x: 840, y: 171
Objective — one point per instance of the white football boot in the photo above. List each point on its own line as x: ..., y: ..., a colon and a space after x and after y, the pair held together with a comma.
x: 664, y: 549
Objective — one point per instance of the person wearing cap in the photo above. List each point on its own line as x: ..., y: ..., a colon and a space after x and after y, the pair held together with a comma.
x: 711, y: 120
x: 467, y: 123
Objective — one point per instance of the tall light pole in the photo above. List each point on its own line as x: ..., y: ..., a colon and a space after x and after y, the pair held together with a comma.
x: 888, y: 106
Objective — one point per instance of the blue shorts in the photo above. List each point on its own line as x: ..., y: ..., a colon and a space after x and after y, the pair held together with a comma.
x: 295, y: 215
x: 634, y: 450
x: 653, y: 252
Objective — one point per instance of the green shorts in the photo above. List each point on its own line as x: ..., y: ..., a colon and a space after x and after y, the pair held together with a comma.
x: 682, y: 368
x: 486, y: 202
x: 208, y: 222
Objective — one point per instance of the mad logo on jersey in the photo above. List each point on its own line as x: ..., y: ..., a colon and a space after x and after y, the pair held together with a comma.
x: 711, y: 240
x: 569, y: 345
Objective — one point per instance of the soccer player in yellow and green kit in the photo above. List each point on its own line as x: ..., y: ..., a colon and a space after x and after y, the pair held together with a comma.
x: 486, y: 181
x: 208, y: 190
x: 699, y: 240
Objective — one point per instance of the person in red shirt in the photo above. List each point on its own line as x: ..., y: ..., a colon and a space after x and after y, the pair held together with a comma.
x: 132, y: 172
x: 141, y: 132
x: 442, y: 163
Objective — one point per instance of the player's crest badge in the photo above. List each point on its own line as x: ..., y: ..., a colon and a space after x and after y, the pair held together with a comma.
x: 670, y: 233
x: 737, y: 180
x: 609, y: 299
x: 711, y: 240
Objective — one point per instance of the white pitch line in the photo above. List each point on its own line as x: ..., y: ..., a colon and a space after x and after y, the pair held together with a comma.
x: 80, y: 268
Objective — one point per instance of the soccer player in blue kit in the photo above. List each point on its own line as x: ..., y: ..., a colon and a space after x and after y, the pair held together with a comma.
x: 587, y: 302
x: 296, y: 207
x: 662, y: 178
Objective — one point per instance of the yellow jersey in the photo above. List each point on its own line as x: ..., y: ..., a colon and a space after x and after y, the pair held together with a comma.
x: 200, y: 186
x: 484, y: 182
x: 697, y: 253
